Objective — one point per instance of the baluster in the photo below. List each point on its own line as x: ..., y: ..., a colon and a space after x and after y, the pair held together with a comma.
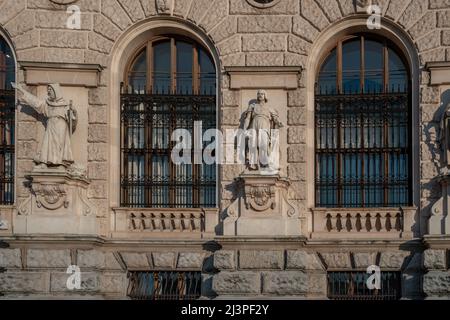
x: 368, y: 222
x: 351, y: 222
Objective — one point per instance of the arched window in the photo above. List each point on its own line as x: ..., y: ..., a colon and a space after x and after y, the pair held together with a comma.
x: 363, y: 125
x: 170, y: 85
x: 7, y: 124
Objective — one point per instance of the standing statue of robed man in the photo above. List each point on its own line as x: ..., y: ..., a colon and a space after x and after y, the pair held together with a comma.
x: 55, y: 147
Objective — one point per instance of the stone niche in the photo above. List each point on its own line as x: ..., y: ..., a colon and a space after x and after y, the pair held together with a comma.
x: 261, y: 205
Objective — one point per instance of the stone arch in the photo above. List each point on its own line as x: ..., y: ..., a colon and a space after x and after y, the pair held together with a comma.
x: 124, y: 47
x: 355, y: 24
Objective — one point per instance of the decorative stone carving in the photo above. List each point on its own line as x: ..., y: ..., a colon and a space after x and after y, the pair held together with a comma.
x: 263, y: 209
x: 262, y: 4
x: 55, y: 147
x: 261, y: 123
x: 51, y: 196
x: 164, y: 6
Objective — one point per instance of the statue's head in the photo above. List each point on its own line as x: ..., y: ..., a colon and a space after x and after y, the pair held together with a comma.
x: 51, y: 93
x: 262, y: 96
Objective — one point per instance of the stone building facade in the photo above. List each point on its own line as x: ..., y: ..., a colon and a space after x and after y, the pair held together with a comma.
x: 275, y: 236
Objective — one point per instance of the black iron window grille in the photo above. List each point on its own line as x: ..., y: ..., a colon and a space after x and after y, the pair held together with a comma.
x: 171, y: 84
x: 7, y: 125
x: 363, y: 122
x: 170, y: 285
x: 353, y: 286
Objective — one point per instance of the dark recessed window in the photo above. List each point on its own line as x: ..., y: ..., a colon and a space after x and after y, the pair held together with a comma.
x: 170, y: 84
x: 7, y: 124
x: 162, y: 285
x: 353, y: 286
x: 363, y: 126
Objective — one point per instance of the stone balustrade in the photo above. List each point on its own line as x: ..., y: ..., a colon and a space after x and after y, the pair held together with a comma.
x: 373, y: 223
x: 157, y: 222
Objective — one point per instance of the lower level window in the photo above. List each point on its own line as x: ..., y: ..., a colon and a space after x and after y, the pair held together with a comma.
x: 353, y: 286
x: 161, y: 285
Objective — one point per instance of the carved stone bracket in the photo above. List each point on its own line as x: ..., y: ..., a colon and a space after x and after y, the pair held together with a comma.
x: 260, y: 197
x: 50, y: 196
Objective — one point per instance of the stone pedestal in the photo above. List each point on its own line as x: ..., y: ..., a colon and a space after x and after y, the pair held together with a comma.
x: 439, y: 222
x: 57, y: 204
x: 262, y: 208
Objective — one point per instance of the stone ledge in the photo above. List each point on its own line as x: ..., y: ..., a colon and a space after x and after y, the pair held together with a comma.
x: 66, y: 74
x: 264, y: 77
x: 439, y: 72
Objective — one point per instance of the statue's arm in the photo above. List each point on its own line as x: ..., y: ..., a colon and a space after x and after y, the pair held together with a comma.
x: 28, y: 98
x: 276, y: 119
x: 248, y: 116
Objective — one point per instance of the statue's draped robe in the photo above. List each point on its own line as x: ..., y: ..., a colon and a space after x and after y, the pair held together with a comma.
x: 262, y: 138
x: 55, y: 147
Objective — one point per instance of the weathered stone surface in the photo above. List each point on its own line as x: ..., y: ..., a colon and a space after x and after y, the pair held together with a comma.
x: 216, y: 13
x: 230, y: 98
x: 233, y: 60
x: 304, y: 29
x: 133, y: 8
x: 135, y: 260
x: 97, y: 115
x: 283, y: 7
x: 296, y: 116
x: 191, y: 260
x: 226, y: 29
x: 290, y: 283
x: 27, y: 40
x: 84, y: 5
x: 331, y: 9
x: 63, y: 55
x: 23, y: 282
x: 435, y: 259
x: 436, y: 283
x: 63, y: 39
x: 90, y: 259
x: 297, y: 172
x: 426, y: 24
x: 198, y: 10
x: 230, y: 116
x: 364, y: 259
x: 113, y: 11
x: 164, y: 259
x: 10, y: 9
x: 149, y: 7
x: 413, y: 12
x: 113, y: 283
x: 106, y: 28
x: 58, y: 20
x: 251, y: 259
x: 97, y: 171
x: 225, y: 260
x: 22, y: 23
x: 296, y: 135
x: 97, y: 152
x: 259, y: 59
x: 296, y: 153
x: 312, y: 12
x: 181, y: 8
x: 42, y: 258
x: 98, y: 133
x: 230, y: 45
x: 26, y: 149
x: 98, y: 96
x: 263, y: 24
x: 337, y: 260
x: 242, y: 282
x: 347, y: 7
x: 99, y: 43
x: 298, y: 45
x: 10, y: 258
x: 98, y: 190
x: 393, y: 259
x: 302, y: 260
x: 89, y: 282
x: 164, y: 6
x: 443, y: 19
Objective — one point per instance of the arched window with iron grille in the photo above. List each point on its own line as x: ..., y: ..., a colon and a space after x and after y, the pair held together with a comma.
x: 7, y: 124
x: 363, y: 125
x: 170, y: 85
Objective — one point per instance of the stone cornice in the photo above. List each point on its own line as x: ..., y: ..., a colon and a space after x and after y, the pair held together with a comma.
x: 439, y: 72
x: 66, y: 74
x: 264, y: 77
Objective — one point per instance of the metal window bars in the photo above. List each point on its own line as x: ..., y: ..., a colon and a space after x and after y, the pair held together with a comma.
x: 7, y: 148
x: 164, y: 285
x: 149, y: 178
x: 353, y: 286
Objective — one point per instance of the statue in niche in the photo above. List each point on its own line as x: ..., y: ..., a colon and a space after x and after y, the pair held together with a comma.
x: 55, y: 148
x: 445, y: 136
x: 261, y: 124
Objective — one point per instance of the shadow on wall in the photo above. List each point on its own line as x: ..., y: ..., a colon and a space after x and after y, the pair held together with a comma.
x: 432, y: 132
